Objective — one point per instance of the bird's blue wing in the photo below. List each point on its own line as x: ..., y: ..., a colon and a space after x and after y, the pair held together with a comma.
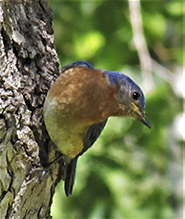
x: 77, y: 64
x: 92, y: 134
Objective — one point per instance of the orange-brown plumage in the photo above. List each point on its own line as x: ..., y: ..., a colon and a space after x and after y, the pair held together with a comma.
x: 85, y: 93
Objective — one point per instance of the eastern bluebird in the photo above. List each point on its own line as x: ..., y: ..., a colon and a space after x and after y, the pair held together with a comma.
x: 78, y: 105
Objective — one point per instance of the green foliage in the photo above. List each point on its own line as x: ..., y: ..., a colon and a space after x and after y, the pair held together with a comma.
x: 131, y: 171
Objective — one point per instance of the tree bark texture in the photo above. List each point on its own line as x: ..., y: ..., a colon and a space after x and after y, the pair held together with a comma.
x: 28, y: 67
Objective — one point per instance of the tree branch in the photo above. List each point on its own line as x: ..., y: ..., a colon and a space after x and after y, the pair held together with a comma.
x: 148, y: 65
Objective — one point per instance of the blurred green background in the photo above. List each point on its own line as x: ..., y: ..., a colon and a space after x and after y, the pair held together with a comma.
x: 131, y: 171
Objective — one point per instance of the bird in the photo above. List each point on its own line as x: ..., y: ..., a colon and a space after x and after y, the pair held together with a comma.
x: 78, y: 105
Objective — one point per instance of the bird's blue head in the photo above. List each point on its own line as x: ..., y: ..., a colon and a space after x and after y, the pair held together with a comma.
x: 129, y: 94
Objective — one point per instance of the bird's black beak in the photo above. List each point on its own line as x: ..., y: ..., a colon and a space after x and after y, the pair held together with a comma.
x: 145, y: 121
x: 139, y: 114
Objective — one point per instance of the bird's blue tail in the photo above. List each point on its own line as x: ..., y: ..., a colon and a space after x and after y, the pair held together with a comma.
x: 70, y: 176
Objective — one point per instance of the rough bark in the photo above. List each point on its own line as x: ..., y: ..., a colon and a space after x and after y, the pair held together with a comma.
x: 28, y: 66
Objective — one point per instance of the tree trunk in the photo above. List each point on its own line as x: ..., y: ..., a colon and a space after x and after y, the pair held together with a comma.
x: 28, y: 66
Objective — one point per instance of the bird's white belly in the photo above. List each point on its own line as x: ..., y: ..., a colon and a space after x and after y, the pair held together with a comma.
x: 68, y: 138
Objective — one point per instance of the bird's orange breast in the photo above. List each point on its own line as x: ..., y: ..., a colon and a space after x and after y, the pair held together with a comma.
x: 79, y: 98
x: 84, y: 95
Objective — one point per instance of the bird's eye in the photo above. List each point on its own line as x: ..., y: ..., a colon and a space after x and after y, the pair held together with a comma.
x: 136, y: 95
